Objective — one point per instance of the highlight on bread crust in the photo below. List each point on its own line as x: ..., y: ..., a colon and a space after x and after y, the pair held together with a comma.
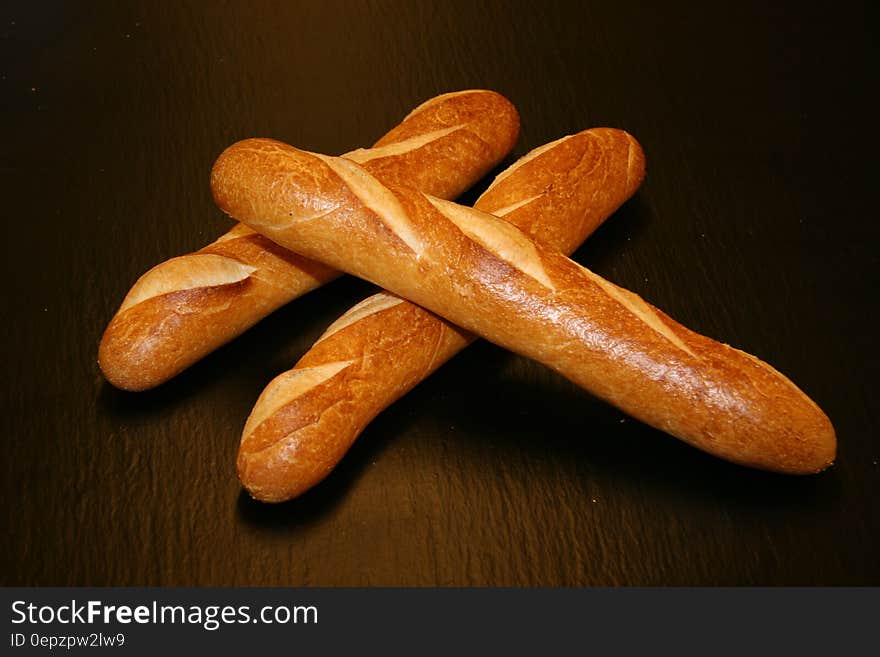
x: 186, y: 307
x: 604, y: 338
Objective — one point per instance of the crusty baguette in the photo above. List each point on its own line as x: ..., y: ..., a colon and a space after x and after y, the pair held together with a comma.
x: 186, y: 307
x: 483, y: 274
x: 307, y: 418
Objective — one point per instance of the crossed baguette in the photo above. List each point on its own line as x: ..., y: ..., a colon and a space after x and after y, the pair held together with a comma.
x: 469, y: 267
x: 308, y: 417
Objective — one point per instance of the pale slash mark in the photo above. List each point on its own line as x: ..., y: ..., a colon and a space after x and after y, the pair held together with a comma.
x: 240, y: 230
x: 286, y: 387
x: 637, y: 306
x: 525, y: 159
x: 187, y: 272
x: 499, y: 237
x: 362, y: 155
x: 369, y: 306
x: 378, y: 198
x: 439, y: 99
x: 629, y: 160
x: 507, y: 209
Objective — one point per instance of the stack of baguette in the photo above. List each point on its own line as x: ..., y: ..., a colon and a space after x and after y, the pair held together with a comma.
x: 451, y: 273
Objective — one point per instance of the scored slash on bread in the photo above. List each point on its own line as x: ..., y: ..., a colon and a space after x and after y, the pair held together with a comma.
x: 307, y: 418
x: 185, y: 308
x: 530, y: 299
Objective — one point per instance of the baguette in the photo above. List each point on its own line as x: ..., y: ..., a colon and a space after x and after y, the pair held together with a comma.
x: 186, y: 307
x: 483, y: 274
x: 301, y: 426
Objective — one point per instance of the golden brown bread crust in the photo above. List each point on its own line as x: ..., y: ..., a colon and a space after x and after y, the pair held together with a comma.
x: 296, y: 435
x: 459, y: 158
x: 189, y: 306
x: 151, y: 341
x: 486, y: 276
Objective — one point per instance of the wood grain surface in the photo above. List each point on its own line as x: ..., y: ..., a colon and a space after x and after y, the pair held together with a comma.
x: 756, y: 226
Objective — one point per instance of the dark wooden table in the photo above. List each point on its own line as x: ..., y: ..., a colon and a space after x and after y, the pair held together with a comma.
x: 756, y: 225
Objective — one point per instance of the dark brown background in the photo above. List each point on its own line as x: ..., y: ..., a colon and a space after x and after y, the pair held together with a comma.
x: 757, y: 225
